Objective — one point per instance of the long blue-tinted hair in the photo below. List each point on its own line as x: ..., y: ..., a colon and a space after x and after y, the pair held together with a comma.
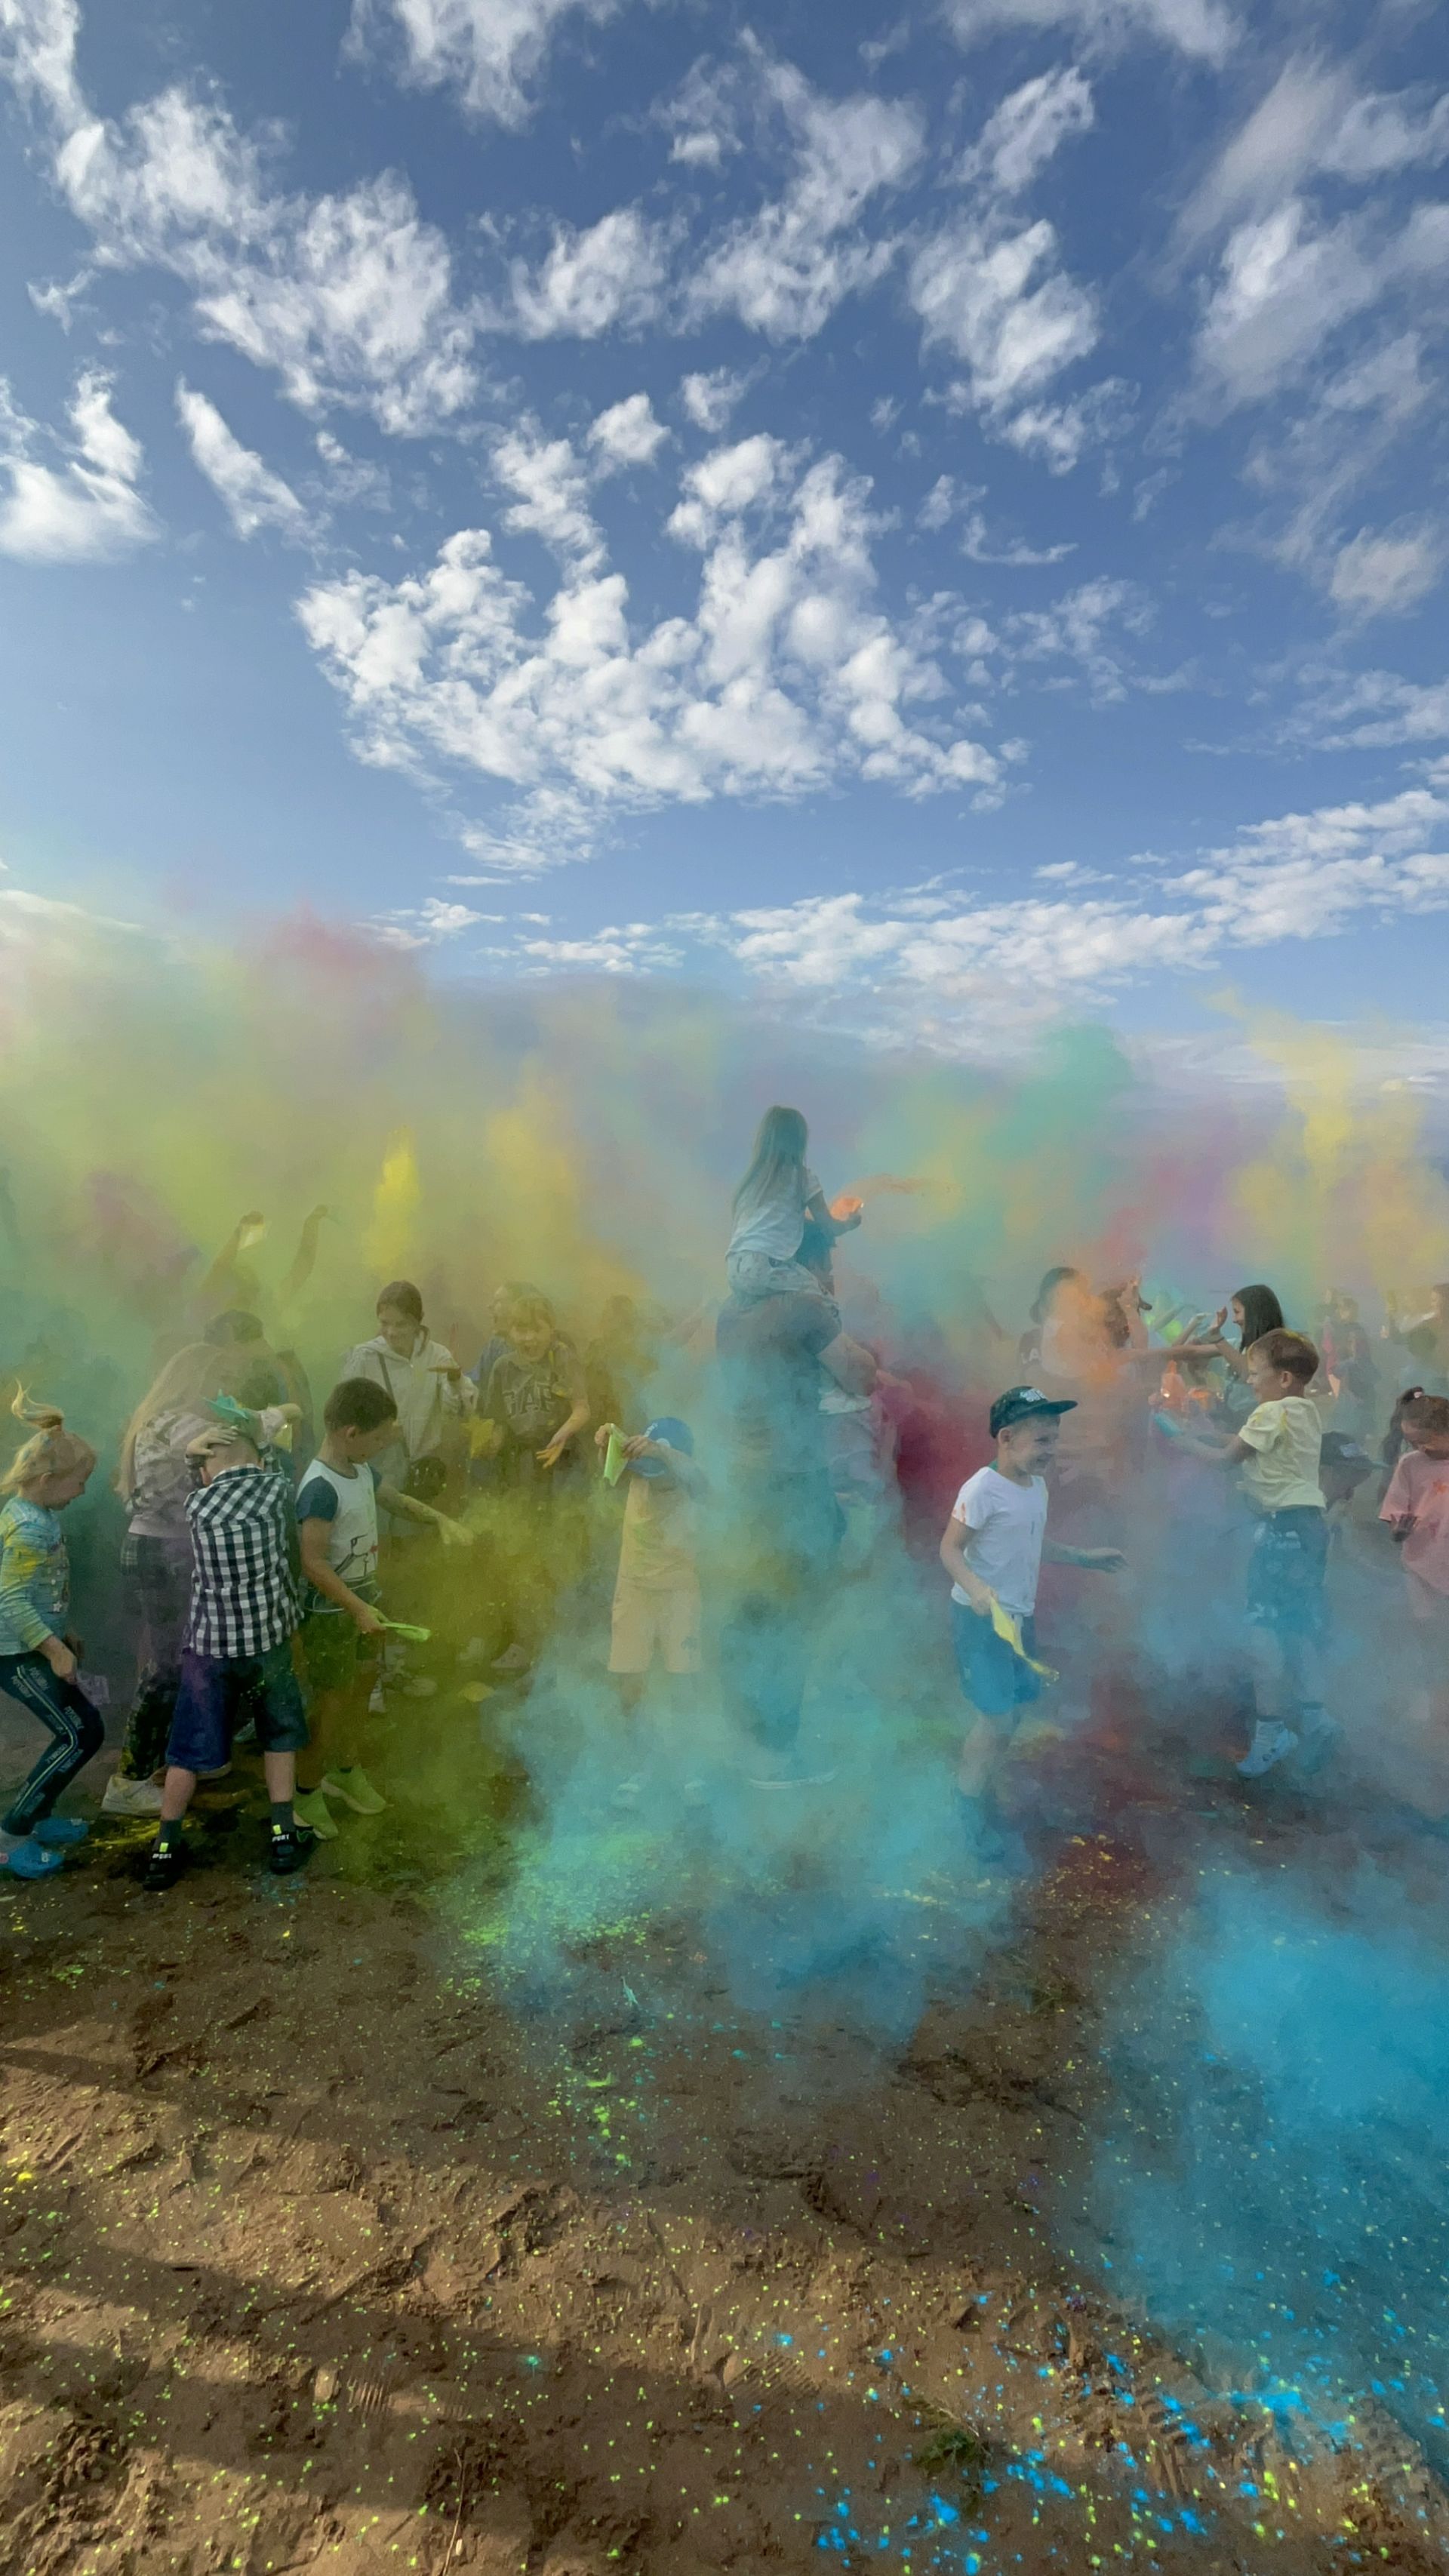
x: 779, y: 1154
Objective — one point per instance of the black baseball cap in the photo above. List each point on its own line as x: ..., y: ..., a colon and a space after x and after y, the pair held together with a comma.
x: 1027, y: 1404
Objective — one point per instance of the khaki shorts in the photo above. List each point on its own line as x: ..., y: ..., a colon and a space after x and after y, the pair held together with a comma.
x: 650, y: 1622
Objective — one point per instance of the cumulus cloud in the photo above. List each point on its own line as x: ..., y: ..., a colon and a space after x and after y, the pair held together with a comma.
x: 88, y: 507
x: 490, y: 51
x: 1299, y: 876
x: 1202, y: 29
x: 609, y: 276
x: 1024, y: 133
x: 251, y: 494
x: 784, y: 270
x: 346, y: 296
x: 785, y: 677
x: 1288, y: 283
x: 708, y: 399
x: 1371, y: 711
x: 627, y: 433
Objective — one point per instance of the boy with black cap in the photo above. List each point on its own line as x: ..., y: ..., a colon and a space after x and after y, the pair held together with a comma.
x: 993, y: 1548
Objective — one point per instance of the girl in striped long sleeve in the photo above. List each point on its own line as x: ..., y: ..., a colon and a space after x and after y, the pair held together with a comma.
x: 37, y: 1655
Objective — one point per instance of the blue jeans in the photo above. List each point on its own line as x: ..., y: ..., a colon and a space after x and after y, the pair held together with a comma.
x: 74, y: 1728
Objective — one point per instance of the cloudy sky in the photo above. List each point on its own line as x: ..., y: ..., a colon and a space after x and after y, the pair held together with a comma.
x: 938, y: 514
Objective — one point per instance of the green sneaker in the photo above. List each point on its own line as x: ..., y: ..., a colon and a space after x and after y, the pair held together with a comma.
x: 355, y: 1790
x: 311, y: 1809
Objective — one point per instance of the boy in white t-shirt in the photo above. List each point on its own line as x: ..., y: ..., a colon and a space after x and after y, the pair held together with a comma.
x: 337, y: 1504
x: 993, y: 1549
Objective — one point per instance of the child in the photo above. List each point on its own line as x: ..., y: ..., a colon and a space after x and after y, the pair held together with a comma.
x: 1417, y: 1508
x: 656, y: 1595
x: 993, y: 1549
x: 154, y: 1480
x: 534, y: 1406
x: 430, y: 1396
x: 238, y: 1647
x: 777, y: 1194
x: 337, y: 1507
x: 37, y: 1653
x: 1278, y: 1447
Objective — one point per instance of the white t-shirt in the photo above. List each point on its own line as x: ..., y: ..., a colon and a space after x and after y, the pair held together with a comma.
x: 1005, y: 1524
x: 774, y: 1225
x: 1286, y: 1438
x: 349, y: 1505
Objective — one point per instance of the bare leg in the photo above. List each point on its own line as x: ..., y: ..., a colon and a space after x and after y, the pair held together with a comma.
x: 177, y: 1793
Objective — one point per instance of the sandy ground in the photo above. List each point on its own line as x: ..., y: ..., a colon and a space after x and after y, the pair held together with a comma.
x: 326, y: 2245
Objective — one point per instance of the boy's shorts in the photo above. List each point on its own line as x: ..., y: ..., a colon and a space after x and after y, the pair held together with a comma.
x: 1285, y: 1574
x: 650, y: 1620
x: 218, y: 1690
x: 994, y: 1679
x: 334, y: 1651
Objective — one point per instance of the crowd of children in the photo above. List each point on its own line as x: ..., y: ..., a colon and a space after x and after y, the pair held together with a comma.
x: 253, y: 1549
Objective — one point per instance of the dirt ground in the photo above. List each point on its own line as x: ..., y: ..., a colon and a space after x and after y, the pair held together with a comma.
x: 325, y: 2245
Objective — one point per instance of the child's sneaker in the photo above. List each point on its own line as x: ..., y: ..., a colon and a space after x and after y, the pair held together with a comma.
x: 1319, y: 1736
x: 291, y: 1852
x: 131, y: 1797
x: 311, y: 1809
x: 377, y: 1701
x: 164, y: 1866
x: 355, y: 1790
x: 514, y: 1659
x: 21, y: 1856
x: 59, y: 1833
x: 422, y: 1686
x: 628, y: 1794
x: 1270, y: 1746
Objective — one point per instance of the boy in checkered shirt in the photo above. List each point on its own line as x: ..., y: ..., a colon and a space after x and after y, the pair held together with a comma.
x: 238, y: 1649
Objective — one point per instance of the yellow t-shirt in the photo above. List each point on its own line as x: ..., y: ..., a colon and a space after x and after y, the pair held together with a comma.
x: 660, y: 1535
x: 1285, y: 1438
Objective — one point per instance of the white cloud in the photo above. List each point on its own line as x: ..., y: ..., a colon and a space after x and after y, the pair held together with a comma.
x: 1386, y: 573
x: 347, y: 297
x: 1022, y: 134
x: 252, y: 495
x: 88, y: 509
x: 1288, y: 284
x: 1300, y: 876
x: 628, y: 433
x: 488, y: 50
x: 709, y: 399
x: 1202, y: 29
x: 785, y: 677
x: 1313, y: 121
x: 1003, y: 306
x: 983, y: 549
x: 783, y: 270
x: 1371, y: 711
x: 606, y: 277
x: 427, y: 925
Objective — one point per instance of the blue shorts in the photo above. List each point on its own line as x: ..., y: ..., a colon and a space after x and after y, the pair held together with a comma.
x: 1285, y: 1574
x: 994, y: 1679
x: 217, y: 1691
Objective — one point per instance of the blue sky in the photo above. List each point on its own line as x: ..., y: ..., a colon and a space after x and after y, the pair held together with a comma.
x: 938, y: 517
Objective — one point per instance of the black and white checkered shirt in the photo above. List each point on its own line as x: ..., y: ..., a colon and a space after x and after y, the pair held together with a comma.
x: 243, y: 1600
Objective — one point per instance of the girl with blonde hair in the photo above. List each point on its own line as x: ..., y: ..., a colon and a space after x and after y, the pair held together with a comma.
x: 37, y: 1653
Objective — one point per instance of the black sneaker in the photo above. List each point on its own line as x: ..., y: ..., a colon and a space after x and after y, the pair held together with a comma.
x: 164, y: 1866
x: 291, y: 1852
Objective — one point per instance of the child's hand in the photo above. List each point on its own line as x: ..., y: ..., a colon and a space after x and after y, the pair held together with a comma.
x: 1219, y: 1319
x: 640, y: 1447
x: 60, y: 1659
x: 368, y: 1622
x: 453, y: 1533
x: 604, y: 1434
x: 550, y: 1456
x: 1102, y: 1560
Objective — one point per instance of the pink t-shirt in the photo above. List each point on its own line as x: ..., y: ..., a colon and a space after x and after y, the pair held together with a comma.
x: 1419, y: 1492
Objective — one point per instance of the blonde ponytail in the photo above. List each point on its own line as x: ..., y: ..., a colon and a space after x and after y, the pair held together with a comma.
x: 50, y: 1451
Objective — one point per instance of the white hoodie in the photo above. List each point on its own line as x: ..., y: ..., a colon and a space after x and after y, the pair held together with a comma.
x: 424, y: 1396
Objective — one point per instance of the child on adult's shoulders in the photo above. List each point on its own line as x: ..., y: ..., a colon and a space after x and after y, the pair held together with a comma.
x: 993, y: 1549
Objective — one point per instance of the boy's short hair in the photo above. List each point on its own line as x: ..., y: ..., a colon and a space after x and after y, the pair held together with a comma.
x: 358, y: 1404
x: 1426, y: 1413
x: 1291, y: 1353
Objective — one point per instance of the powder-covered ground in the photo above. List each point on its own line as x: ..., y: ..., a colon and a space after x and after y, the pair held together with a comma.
x: 345, y: 2228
